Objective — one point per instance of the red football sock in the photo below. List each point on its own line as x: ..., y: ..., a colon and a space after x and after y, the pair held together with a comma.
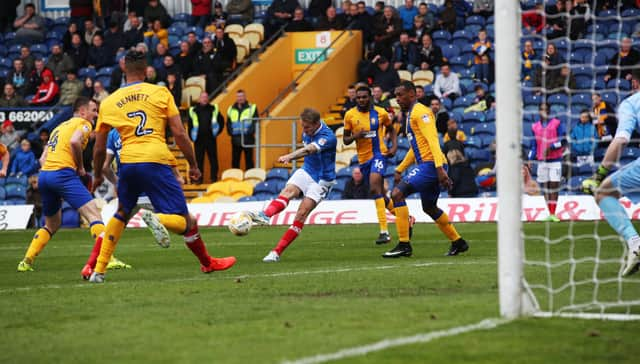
x: 276, y: 206
x: 289, y: 236
x: 93, y: 257
x: 193, y: 241
x: 552, y: 207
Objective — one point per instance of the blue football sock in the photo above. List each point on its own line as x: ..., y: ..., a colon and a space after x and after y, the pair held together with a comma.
x: 617, y: 217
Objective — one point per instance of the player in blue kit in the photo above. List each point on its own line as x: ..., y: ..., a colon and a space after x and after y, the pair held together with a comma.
x: 314, y: 180
x: 624, y: 182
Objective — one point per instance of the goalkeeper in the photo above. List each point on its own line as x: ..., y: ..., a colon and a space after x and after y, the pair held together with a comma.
x: 624, y: 182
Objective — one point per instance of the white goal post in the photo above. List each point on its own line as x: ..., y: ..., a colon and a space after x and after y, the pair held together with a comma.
x: 516, y: 295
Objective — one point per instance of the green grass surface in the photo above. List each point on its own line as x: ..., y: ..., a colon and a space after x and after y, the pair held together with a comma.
x: 331, y: 291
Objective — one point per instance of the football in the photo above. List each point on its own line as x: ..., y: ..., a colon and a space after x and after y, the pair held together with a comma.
x: 240, y: 223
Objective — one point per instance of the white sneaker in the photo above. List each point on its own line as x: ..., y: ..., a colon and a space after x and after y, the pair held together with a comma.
x: 96, y: 278
x: 633, y: 263
x: 259, y: 218
x: 272, y: 257
x: 158, y: 230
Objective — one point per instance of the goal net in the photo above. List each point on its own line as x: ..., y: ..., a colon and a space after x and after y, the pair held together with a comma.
x: 573, y: 66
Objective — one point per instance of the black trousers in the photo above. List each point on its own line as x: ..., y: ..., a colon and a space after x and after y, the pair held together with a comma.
x: 236, y: 150
x: 208, y: 145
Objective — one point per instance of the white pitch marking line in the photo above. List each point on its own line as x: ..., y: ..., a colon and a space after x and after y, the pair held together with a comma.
x: 246, y: 276
x: 486, y: 324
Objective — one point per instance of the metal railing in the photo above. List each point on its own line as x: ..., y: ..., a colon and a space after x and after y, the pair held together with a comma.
x: 258, y: 146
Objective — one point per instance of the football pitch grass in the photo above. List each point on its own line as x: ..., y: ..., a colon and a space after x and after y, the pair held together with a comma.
x: 331, y: 291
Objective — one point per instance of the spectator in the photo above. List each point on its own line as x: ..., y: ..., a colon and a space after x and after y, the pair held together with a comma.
x: 484, y: 70
x: 279, y: 13
x: 299, y: 23
x: 547, y: 149
x: 80, y: 10
x: 5, y: 158
x: 442, y: 116
x: 448, y: 17
x: 169, y: 66
x: 241, y: 125
x: 219, y: 17
x: 185, y: 60
x: 10, y: 98
x: 47, y: 91
x: 35, y: 77
x: 481, y: 47
x: 529, y: 57
x: 356, y: 188
x: 160, y: 52
x: 225, y: 51
x: 127, y: 24
x: 70, y: 89
x: 40, y: 143
x: 351, y: 100
x: 453, y: 133
x: 205, y: 124
x: 30, y: 27
x: 379, y: 98
x: 447, y: 83
x: 137, y: 6
x: 346, y: 7
x: 99, y: 93
x: 556, y: 18
x: 24, y: 162
x: 174, y: 84
x: 118, y: 77
x: 460, y: 172
x: 421, y: 97
x: 34, y: 198
x: 194, y: 45
x: 406, y: 54
x: 157, y: 34
x: 87, y: 89
x: 203, y: 65
x: 66, y: 37
x: 386, y: 32
x: 318, y: 8
x: 623, y: 63
x: 27, y: 58
x: 429, y: 54
x: 583, y: 140
x: 8, y: 14
x: 463, y: 8
x: 427, y: 18
x: 135, y: 34
x: 604, y: 117
x: 156, y: 11
x: 483, y: 8
x: 579, y: 14
x: 90, y: 30
x: 407, y: 13
x: 60, y: 63
x: 114, y: 38
x: 200, y: 12
x: 554, y: 57
x: 240, y: 11
x: 533, y: 20
x: 482, y: 101
x: 384, y: 75
x: 564, y: 82
x: 19, y: 77
x: 331, y: 21
x: 10, y: 137
x: 417, y: 30
x: 99, y: 56
x: 151, y: 76
x: 79, y: 52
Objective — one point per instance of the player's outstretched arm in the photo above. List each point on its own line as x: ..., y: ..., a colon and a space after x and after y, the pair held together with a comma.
x: 99, y: 157
x: 393, y: 136
x: 299, y: 153
x: 107, y: 171
x: 185, y: 145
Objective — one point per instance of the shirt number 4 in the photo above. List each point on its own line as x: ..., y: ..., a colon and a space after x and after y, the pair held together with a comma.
x: 140, y: 130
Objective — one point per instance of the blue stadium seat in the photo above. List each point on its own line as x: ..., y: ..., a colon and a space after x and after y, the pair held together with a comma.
x: 199, y: 32
x: 586, y: 169
x: 474, y: 117
x: 13, y: 201
x: 558, y: 99
x: 441, y: 35
x: 2, y: 181
x: 3, y: 194
x: 619, y: 84
x: 15, y: 191
x: 86, y: 72
x: 485, y: 128
x: 106, y: 81
x: 263, y: 196
x: 6, y: 63
x: 344, y: 173
x: 532, y: 99
x: 610, y: 97
x: 335, y: 195
x: 272, y: 187
x: 403, y: 143
x: 340, y: 185
x: 475, y: 20
x: 15, y: 180
x: 247, y: 199
x: 631, y: 13
x: 449, y: 51
x: 174, y: 30
x: 354, y: 161
x: 478, y: 155
x: 105, y: 71
x: 281, y: 174
x: 575, y: 183
x: 3, y: 51
x: 490, y: 115
x: 582, y: 99
x: 474, y: 141
x: 182, y: 17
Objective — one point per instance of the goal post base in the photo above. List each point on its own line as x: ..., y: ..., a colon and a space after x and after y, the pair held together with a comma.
x: 589, y: 316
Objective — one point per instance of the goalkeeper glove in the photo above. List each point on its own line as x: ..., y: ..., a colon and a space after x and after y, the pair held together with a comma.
x: 590, y: 185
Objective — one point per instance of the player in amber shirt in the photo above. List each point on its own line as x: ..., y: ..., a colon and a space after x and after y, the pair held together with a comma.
x: 426, y: 177
x: 5, y: 157
x: 141, y: 113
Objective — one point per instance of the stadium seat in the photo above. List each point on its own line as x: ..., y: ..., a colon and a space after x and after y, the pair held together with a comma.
x: 403, y: 143
x: 475, y: 20
x: 354, y: 161
x: 17, y: 180
x: 255, y: 175
x: 190, y: 94
x: 335, y: 195
x: 3, y: 194
x: 263, y: 196
x: 247, y: 199
x: 257, y: 28
x: 86, y: 72
x: 610, y: 97
x: 340, y: 185
x: 204, y: 199
x: 344, y: 173
x: 343, y: 159
x: 232, y: 174
x: 3, y: 51
x: 6, y: 63
x: 196, y: 81
x: 241, y: 189
x: 485, y: 128
x: 474, y: 117
x: 175, y: 31
x: 478, y: 155
x: 558, y: 99
x: 581, y: 99
x: 221, y: 188
x: 243, y: 49
x: 619, y: 84
x: 70, y: 218
x: 234, y: 29
x: 105, y: 71
x: 441, y: 35
x: 224, y: 199
x: 253, y: 39
x: 449, y: 51
x: 274, y: 174
x: 270, y: 187
x: 405, y: 75
x: 182, y: 17
x: 423, y: 78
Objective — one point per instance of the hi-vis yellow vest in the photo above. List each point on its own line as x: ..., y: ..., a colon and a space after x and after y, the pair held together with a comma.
x: 241, y: 122
x: 215, y: 127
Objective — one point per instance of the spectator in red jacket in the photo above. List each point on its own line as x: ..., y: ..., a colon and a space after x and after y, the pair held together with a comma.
x: 533, y: 20
x: 200, y: 10
x: 47, y: 91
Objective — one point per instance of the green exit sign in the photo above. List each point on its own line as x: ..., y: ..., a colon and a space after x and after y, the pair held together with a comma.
x: 308, y: 55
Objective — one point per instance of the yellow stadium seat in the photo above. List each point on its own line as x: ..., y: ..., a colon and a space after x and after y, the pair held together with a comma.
x: 234, y: 29
x: 203, y: 199
x: 226, y: 199
x: 243, y: 47
x: 253, y: 39
x: 221, y: 188
x: 190, y: 94
x: 232, y: 174
x: 236, y: 37
x: 255, y: 28
x: 241, y: 189
x: 423, y: 77
x: 404, y: 75
x: 255, y: 174
x: 196, y: 81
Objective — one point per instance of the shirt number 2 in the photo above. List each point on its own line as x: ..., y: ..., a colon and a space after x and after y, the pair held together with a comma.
x: 140, y: 130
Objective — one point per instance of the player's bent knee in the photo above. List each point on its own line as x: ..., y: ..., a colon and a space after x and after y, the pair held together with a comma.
x: 397, y: 195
